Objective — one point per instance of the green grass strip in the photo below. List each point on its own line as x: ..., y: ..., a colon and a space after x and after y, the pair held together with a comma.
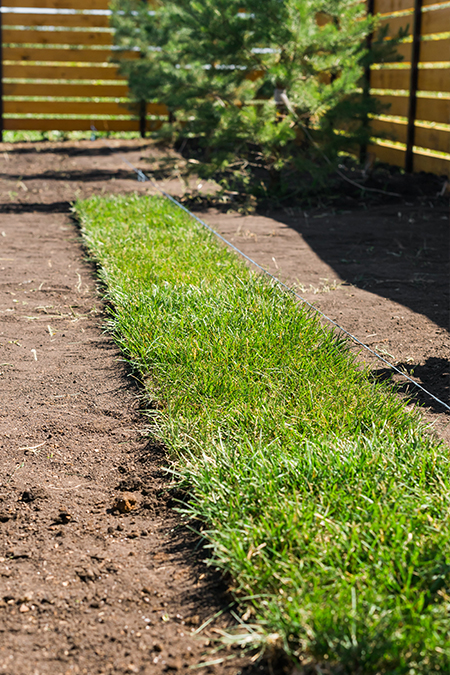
x: 322, y: 496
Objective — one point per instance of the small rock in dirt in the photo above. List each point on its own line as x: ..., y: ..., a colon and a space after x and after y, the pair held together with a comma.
x: 32, y: 494
x: 193, y: 620
x: 119, y: 528
x: 86, y: 574
x: 63, y: 518
x: 17, y: 553
x: 24, y: 608
x: 124, y: 504
x: 172, y: 664
x: 144, y: 533
x: 4, y: 517
x: 26, y: 597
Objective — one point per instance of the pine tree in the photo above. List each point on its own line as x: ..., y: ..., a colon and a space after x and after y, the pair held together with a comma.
x: 272, y: 86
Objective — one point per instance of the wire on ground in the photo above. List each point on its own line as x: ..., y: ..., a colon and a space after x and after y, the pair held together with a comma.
x: 142, y: 177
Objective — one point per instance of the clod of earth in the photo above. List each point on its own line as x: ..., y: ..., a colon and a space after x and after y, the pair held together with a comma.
x: 124, y: 504
x: 31, y: 494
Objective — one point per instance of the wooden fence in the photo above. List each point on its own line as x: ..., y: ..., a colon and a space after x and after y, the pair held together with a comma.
x: 57, y: 70
x: 414, y: 133
x: 57, y: 75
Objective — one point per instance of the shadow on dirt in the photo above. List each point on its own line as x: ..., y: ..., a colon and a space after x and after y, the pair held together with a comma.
x: 434, y: 375
x: 74, y: 176
x: 35, y: 207
x: 407, y: 263
x: 70, y: 149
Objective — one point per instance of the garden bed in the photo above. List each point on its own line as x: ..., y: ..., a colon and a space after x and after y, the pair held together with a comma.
x: 326, y: 251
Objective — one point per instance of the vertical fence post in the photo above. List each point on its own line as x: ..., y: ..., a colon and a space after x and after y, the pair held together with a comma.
x: 366, y: 84
x: 412, y: 107
x: 143, y: 118
x: 1, y: 74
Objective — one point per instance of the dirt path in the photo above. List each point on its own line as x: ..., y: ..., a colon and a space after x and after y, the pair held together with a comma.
x: 84, y: 587
x: 96, y: 573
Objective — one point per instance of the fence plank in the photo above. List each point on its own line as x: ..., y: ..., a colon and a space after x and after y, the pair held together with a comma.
x: 429, y: 164
x: 92, y: 108
x: 71, y: 55
x: 433, y: 110
x: 28, y: 72
x: 65, y: 20
x: 430, y: 51
x: 428, y: 109
x: 71, y: 125
x: 390, y: 79
x: 12, y: 124
x: 68, y: 108
x: 433, y: 139
x: 436, y: 21
x: 435, y: 50
x: 396, y: 23
x: 65, y: 90
x: 404, y: 50
x: 434, y: 79
x: 57, y: 4
x: 390, y: 6
x: 60, y: 37
x: 395, y: 156
x: 430, y: 79
x: 392, y: 131
x: 398, y: 105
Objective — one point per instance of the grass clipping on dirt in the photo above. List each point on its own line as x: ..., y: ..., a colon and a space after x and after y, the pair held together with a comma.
x: 322, y: 496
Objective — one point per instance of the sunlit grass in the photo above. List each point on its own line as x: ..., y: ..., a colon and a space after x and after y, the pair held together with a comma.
x: 321, y: 496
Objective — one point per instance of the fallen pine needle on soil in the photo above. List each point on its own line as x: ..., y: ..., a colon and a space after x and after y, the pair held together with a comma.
x: 321, y: 496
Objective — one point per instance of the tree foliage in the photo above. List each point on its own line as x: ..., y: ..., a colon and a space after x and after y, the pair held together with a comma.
x: 272, y: 86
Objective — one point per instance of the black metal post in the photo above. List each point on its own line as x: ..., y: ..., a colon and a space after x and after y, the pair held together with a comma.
x: 143, y: 118
x: 1, y: 75
x: 366, y: 84
x: 412, y: 107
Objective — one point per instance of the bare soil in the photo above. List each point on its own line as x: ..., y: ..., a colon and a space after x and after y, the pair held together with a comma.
x: 97, y: 572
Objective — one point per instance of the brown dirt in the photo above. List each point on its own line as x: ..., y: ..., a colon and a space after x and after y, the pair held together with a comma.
x: 97, y: 573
